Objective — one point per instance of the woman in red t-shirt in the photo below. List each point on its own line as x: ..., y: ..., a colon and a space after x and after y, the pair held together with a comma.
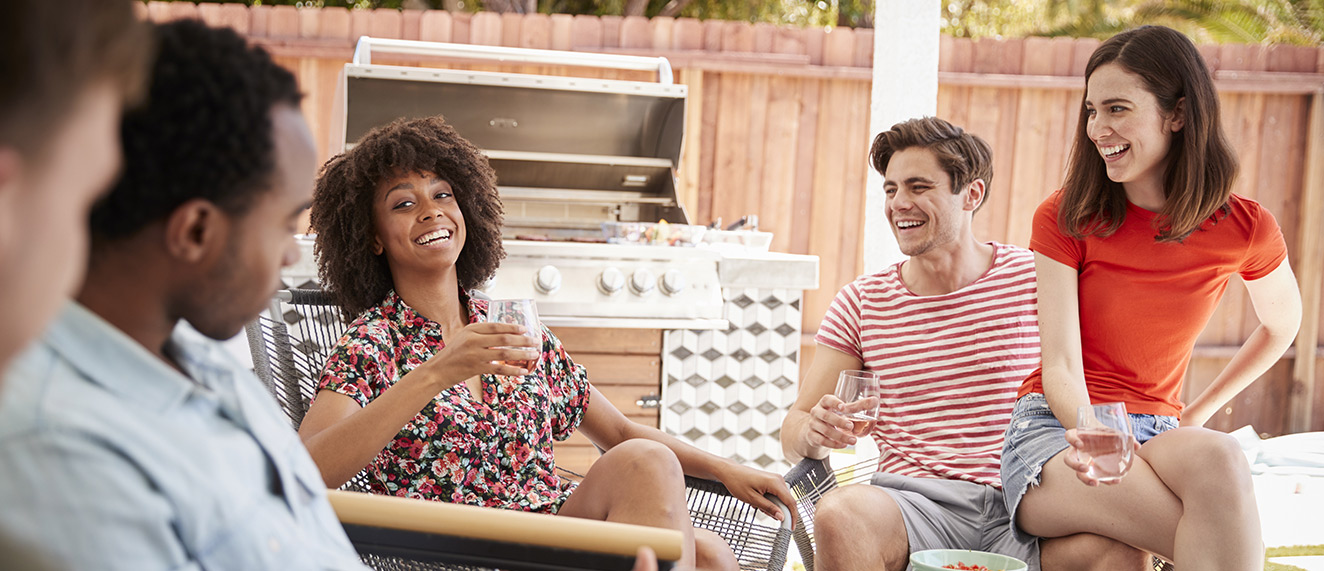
x: 1132, y: 256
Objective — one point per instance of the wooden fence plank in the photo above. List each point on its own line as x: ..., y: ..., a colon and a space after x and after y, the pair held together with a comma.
x: 485, y: 29
x: 283, y: 22
x: 687, y: 34
x: 536, y: 32
x: 712, y: 91
x: 732, y: 148
x: 662, y: 31
x: 611, y: 31
x: 691, y: 155
x: 586, y: 33
x: 635, y: 33
x: 258, y: 20
x: 777, y: 214
x: 561, y: 28
x: 738, y: 37
x: 789, y: 40
x: 411, y: 24
x: 756, y: 133
x: 435, y: 26
x: 512, y: 27
x: 805, y: 172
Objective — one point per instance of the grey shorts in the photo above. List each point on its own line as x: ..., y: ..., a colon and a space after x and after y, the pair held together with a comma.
x: 1035, y: 436
x: 953, y: 514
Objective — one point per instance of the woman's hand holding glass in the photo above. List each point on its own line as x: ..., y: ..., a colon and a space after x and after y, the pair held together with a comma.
x: 839, y: 419
x: 482, y: 349
x: 524, y: 313
x: 1102, y: 444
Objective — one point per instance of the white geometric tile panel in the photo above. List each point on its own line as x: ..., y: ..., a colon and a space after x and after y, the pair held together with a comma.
x: 727, y: 392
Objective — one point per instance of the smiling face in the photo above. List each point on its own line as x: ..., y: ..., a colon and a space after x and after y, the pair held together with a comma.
x: 419, y: 226
x: 1129, y: 129
x: 923, y: 211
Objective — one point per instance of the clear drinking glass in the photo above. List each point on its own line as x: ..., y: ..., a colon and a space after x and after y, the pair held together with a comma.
x: 1105, y: 433
x: 853, y: 387
x: 519, y: 312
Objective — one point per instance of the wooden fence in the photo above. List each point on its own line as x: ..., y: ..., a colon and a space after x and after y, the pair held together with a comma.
x: 778, y: 126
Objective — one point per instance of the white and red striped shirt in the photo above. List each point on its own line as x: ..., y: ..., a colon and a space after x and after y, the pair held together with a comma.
x: 950, y: 364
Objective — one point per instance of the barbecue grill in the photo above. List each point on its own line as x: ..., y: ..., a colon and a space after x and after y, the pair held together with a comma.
x: 571, y: 154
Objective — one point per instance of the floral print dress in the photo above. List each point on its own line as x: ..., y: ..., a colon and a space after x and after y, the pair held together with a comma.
x: 496, y: 452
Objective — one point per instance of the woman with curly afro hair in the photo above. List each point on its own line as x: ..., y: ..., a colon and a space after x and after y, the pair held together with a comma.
x: 408, y: 224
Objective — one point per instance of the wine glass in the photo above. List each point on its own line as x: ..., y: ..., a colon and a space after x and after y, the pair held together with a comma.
x: 519, y: 312
x: 854, y: 387
x: 1105, y: 434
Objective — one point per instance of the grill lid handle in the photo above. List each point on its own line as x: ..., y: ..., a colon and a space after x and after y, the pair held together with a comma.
x: 367, y: 45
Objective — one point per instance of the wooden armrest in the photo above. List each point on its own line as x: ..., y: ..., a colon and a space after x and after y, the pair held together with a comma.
x: 494, y: 524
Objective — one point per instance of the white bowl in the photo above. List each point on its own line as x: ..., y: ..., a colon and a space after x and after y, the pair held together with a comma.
x: 934, y: 559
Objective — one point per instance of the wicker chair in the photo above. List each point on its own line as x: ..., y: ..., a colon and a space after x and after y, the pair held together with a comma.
x: 292, y: 342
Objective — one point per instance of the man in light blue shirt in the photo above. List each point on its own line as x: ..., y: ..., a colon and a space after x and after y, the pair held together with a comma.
x: 127, y: 439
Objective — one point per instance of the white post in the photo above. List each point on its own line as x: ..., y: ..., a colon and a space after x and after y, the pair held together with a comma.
x: 905, y: 86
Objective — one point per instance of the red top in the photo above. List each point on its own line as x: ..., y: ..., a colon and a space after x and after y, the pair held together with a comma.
x: 1143, y: 303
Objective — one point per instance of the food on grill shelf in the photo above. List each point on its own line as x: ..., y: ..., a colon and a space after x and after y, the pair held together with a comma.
x: 659, y: 234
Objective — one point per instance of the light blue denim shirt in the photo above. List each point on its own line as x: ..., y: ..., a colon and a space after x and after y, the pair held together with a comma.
x: 111, y: 459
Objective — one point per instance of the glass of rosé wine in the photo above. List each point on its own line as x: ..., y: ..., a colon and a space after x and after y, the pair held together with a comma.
x: 519, y: 312
x: 859, y: 390
x: 1105, y: 433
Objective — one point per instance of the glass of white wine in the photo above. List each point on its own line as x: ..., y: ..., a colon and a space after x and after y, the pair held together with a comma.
x: 854, y: 387
x: 519, y: 312
x: 1105, y: 433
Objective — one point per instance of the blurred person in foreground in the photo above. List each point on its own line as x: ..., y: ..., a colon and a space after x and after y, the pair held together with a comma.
x: 66, y: 71
x: 128, y: 440
x: 951, y: 332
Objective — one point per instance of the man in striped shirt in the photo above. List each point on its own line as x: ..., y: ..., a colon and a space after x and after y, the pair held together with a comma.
x: 950, y: 333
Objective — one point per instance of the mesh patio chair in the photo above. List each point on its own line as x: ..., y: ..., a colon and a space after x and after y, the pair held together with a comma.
x: 293, y: 340
x: 809, y: 481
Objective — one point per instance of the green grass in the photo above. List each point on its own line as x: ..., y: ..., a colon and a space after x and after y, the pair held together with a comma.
x: 1294, y: 551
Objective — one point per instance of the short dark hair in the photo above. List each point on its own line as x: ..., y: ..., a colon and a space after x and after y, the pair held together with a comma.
x: 50, y: 52
x: 963, y: 156
x: 1201, y: 165
x: 356, y: 277
x: 205, y: 131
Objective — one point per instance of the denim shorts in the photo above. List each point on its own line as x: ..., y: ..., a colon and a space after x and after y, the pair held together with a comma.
x: 1035, y: 436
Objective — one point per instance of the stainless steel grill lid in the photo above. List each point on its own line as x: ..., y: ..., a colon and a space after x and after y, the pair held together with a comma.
x: 569, y: 152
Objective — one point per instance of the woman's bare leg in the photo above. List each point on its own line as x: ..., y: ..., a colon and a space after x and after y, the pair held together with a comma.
x: 1187, y: 498
x: 641, y: 482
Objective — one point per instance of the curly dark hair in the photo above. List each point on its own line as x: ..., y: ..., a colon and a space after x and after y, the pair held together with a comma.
x: 357, y: 278
x: 205, y: 131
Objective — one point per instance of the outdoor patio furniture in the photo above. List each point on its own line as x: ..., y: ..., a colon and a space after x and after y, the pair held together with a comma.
x: 292, y: 341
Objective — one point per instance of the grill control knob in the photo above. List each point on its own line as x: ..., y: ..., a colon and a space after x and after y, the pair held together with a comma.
x: 611, y: 281
x: 642, y: 282
x: 673, y: 282
x: 548, y: 279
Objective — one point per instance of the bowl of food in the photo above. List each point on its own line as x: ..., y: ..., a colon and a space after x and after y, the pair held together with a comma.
x: 944, y: 559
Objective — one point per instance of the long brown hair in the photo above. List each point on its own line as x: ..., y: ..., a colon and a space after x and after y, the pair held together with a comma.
x: 1200, y: 164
